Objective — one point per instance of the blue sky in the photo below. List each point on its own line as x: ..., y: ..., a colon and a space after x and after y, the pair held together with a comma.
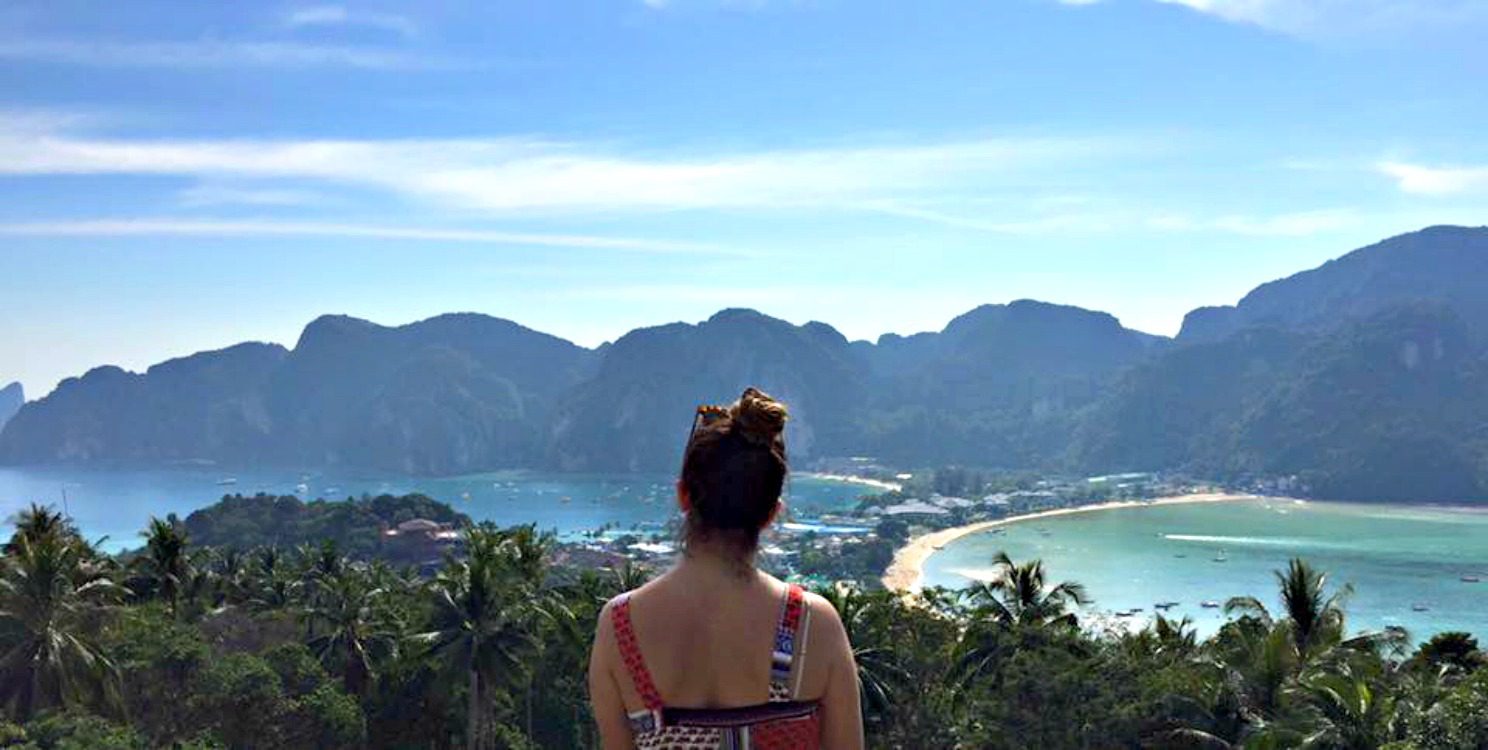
x: 181, y: 176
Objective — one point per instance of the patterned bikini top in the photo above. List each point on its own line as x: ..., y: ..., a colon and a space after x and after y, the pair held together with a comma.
x: 783, y: 723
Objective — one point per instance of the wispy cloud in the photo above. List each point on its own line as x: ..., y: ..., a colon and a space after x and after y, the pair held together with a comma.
x: 198, y: 196
x: 1036, y: 222
x: 527, y: 175
x: 1424, y: 180
x: 1344, y: 18
x: 218, y: 53
x: 168, y: 226
x: 339, y: 15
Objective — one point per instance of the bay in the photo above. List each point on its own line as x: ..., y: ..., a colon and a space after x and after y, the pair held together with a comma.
x: 1405, y: 563
x: 117, y: 503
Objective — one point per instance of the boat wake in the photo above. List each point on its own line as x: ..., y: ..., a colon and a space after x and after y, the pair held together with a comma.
x: 1259, y: 541
x: 980, y: 575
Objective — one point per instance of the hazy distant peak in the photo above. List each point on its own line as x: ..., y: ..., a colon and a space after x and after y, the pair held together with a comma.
x: 246, y: 351
x: 104, y: 372
x: 825, y: 332
x: 12, y: 398
x: 460, y: 320
x: 732, y: 314
x: 333, y: 326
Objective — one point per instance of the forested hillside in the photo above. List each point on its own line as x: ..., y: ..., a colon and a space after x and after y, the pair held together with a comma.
x: 210, y: 646
x: 1362, y: 378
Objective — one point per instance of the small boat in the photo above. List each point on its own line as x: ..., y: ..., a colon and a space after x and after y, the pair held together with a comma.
x: 226, y: 481
x: 1470, y: 579
x: 1210, y: 604
x: 1419, y: 608
x: 1221, y: 557
x: 1181, y: 556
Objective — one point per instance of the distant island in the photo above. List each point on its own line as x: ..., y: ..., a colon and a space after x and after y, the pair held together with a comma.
x: 405, y: 529
x: 1365, y: 378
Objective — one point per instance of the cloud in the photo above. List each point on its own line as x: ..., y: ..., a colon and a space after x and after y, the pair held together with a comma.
x: 338, y: 15
x: 1084, y: 221
x: 168, y: 226
x: 223, y: 195
x: 1422, y: 180
x: 217, y: 53
x: 989, y: 185
x: 1344, y: 18
x: 535, y: 176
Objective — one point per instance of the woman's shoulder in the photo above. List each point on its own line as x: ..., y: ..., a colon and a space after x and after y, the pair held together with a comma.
x: 824, y: 617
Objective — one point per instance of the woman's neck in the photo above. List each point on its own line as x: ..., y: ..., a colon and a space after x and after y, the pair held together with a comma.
x: 708, y: 565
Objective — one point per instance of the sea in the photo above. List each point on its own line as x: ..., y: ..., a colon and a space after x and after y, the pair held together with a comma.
x: 114, y: 505
x: 1406, y: 565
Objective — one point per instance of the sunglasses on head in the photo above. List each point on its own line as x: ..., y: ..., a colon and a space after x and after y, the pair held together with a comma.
x: 705, y: 416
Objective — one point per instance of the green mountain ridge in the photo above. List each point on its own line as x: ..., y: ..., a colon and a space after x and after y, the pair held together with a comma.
x: 1360, y: 378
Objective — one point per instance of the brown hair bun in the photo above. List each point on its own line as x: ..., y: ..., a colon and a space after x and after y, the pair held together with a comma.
x: 758, y: 417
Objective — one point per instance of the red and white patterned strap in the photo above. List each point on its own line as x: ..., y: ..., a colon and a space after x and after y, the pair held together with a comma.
x: 787, y: 634
x: 630, y: 652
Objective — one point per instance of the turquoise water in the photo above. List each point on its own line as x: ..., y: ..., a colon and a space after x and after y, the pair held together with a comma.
x: 118, y: 503
x: 1396, y: 558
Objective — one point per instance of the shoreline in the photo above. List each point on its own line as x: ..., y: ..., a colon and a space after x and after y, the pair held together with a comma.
x: 906, y: 572
x: 853, y: 479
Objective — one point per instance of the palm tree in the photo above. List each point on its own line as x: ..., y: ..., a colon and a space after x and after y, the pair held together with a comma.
x: 1454, y: 651
x: 879, y: 673
x: 229, y: 570
x: 165, y: 561
x: 271, y: 586
x: 485, y: 608
x: 348, y: 606
x: 1019, y: 595
x: 1019, y: 599
x: 1352, y: 713
x: 627, y: 576
x: 317, y: 564
x: 1259, y: 660
x: 50, y: 599
x: 1312, y: 616
x: 1176, y: 637
x: 1314, y: 619
x: 1294, y: 673
x: 37, y: 521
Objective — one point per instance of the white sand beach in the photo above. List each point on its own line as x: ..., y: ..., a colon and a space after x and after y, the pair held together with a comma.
x: 906, y: 572
x: 852, y: 479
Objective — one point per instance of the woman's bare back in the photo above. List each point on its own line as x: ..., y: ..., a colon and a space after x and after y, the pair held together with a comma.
x: 707, y: 640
